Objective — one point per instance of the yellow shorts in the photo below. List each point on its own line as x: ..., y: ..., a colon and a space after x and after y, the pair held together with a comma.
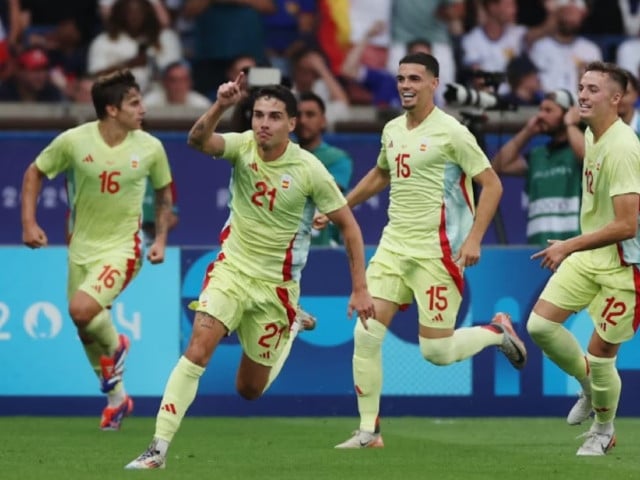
x: 261, y: 312
x: 611, y: 295
x: 103, y: 280
x: 435, y: 283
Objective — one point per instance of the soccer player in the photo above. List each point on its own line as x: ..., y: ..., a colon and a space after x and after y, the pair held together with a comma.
x: 434, y: 232
x: 253, y: 286
x: 106, y: 163
x: 597, y: 269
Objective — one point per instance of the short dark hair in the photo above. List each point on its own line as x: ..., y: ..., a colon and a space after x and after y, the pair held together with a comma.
x: 429, y: 62
x: 111, y: 89
x: 615, y: 73
x: 312, y: 97
x: 283, y: 94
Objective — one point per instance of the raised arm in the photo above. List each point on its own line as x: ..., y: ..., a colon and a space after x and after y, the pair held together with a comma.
x: 32, y: 235
x: 509, y: 159
x: 202, y: 136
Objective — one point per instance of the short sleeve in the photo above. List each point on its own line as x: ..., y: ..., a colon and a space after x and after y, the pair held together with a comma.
x: 160, y: 172
x: 55, y: 158
x: 324, y: 190
x: 467, y: 153
x: 234, y: 144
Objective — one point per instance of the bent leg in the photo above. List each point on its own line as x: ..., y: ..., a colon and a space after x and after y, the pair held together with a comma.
x: 446, y: 346
x: 558, y: 343
x: 252, y: 377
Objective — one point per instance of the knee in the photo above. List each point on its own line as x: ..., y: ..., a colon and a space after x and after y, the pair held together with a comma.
x: 197, y: 353
x: 437, y: 350
x: 539, y: 327
x: 81, y: 313
x: 249, y: 391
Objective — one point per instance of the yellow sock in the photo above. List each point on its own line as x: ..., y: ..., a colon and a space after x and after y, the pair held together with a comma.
x: 605, y: 387
x: 559, y: 345
x: 367, y: 371
x: 178, y: 395
x: 100, y: 338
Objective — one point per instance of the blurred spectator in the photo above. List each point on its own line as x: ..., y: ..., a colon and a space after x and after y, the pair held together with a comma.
x: 134, y: 39
x: 4, y: 50
x: 628, y: 55
x: 310, y: 126
x: 437, y: 20
x: 379, y: 84
x: 561, y: 56
x: 31, y: 82
x: 79, y: 91
x: 620, y: 17
x: 524, y: 83
x: 222, y: 31
x: 553, y: 171
x: 627, y: 106
x: 176, y: 89
x: 419, y: 45
x: 242, y: 63
x: 490, y: 46
x: 158, y: 7
x: 310, y: 73
x: 290, y: 29
x: 12, y: 23
x: 63, y: 31
x: 363, y: 14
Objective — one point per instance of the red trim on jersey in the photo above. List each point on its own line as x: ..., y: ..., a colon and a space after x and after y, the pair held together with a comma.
x: 463, y: 188
x: 288, y: 261
x: 283, y: 295
x: 636, y: 310
x: 133, y: 262
x: 447, y: 257
x: 67, y: 217
x: 224, y: 234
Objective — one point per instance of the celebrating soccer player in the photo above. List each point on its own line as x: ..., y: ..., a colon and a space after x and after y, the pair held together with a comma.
x: 598, y: 269
x: 107, y: 163
x: 253, y: 286
x: 434, y: 232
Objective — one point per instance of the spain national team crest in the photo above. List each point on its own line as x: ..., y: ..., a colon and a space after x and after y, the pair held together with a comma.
x: 285, y: 181
x: 135, y: 161
x: 423, y: 145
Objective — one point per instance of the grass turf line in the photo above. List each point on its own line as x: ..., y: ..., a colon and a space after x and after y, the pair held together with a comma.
x: 302, y: 448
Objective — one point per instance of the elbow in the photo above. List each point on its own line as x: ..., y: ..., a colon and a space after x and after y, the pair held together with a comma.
x: 630, y: 231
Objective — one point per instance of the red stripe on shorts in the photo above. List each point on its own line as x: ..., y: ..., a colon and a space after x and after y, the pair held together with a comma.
x: 636, y: 310
x: 447, y: 257
x: 283, y: 295
x: 132, y: 262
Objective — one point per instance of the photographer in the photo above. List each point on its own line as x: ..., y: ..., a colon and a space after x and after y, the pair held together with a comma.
x: 553, y: 171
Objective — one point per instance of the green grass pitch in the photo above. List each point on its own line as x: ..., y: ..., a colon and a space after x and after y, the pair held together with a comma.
x: 47, y: 448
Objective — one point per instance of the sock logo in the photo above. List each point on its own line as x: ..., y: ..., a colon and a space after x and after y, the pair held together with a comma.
x: 169, y: 407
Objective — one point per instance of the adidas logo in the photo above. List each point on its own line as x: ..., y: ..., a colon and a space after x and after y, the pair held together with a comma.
x: 87, y: 159
x: 169, y: 407
x: 437, y: 318
x: 266, y: 355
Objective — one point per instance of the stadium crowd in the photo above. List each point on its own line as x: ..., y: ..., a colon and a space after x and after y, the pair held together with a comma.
x: 345, y: 51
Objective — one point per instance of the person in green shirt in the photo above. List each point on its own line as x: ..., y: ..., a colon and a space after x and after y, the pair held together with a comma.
x: 312, y: 122
x: 553, y: 171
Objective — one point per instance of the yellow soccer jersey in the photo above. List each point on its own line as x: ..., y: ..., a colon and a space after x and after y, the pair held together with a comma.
x: 105, y: 186
x: 611, y: 167
x: 272, y: 204
x: 431, y: 205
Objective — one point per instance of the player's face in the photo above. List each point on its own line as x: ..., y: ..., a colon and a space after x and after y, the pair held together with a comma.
x: 131, y: 111
x: 311, y: 121
x: 416, y: 86
x: 270, y: 123
x: 597, y: 96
